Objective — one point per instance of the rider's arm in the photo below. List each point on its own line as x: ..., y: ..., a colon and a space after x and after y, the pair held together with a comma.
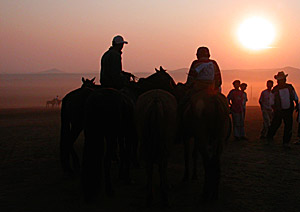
x: 218, y: 77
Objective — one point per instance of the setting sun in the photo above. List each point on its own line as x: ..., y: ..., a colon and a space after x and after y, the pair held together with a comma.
x: 256, y: 33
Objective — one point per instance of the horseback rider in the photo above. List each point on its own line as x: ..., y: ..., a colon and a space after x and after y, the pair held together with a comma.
x: 204, y: 76
x: 204, y: 73
x: 111, y: 73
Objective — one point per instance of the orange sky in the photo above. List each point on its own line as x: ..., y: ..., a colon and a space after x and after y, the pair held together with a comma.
x: 72, y: 35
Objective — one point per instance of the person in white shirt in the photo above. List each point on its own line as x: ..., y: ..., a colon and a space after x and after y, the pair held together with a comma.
x: 266, y: 109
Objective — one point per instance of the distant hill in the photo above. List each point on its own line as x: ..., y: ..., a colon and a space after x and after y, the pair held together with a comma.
x: 51, y: 71
x: 27, y: 90
x: 247, y: 75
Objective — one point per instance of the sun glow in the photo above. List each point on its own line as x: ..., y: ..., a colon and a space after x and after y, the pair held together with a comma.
x: 256, y: 33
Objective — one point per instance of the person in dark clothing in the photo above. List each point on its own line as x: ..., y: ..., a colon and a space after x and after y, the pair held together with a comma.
x: 111, y: 73
x: 298, y: 134
x: 204, y: 72
x: 282, y: 101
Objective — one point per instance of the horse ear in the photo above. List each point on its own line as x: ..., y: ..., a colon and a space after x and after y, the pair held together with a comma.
x: 162, y: 69
x: 83, y: 80
x: 93, y: 79
x: 156, y: 70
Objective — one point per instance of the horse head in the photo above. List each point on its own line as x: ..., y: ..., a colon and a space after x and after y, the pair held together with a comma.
x: 86, y: 83
x: 180, y: 91
x: 159, y: 80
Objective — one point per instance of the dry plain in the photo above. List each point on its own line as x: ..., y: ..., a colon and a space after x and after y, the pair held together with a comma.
x: 255, y: 176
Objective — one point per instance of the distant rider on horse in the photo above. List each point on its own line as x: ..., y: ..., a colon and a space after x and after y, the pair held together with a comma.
x: 111, y: 73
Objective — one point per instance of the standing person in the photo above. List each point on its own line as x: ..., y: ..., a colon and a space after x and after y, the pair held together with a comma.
x: 298, y: 119
x: 235, y: 100
x: 243, y: 87
x: 282, y: 101
x: 111, y: 73
x: 266, y: 109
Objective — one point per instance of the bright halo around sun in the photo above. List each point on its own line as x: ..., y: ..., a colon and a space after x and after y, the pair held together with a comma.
x: 256, y: 33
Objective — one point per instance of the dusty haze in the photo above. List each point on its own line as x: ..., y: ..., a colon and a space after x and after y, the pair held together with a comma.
x: 33, y: 90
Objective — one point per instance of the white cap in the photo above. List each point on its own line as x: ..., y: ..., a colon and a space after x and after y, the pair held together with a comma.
x: 119, y: 39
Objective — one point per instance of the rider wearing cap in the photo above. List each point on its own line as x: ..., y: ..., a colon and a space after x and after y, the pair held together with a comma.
x: 204, y: 72
x: 111, y: 73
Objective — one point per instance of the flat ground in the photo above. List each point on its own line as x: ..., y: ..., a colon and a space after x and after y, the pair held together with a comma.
x: 255, y: 176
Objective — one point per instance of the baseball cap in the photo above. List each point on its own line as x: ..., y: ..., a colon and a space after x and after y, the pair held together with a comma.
x: 119, y: 39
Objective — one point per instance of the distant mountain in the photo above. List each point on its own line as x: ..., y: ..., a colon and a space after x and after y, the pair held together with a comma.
x: 51, y: 71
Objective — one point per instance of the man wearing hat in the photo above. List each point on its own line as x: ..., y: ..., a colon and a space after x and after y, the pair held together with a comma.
x: 111, y: 73
x: 282, y: 101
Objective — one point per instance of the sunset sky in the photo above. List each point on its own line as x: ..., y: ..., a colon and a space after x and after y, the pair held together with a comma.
x: 37, y: 35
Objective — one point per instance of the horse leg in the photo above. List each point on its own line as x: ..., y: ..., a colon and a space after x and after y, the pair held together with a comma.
x: 149, y: 168
x: 195, y: 159
x: 75, y: 131
x: 65, y: 143
x: 186, y: 159
x: 164, y: 183
x: 212, y: 175
x: 110, y: 141
x: 92, y: 165
x: 125, y: 149
x: 134, y: 151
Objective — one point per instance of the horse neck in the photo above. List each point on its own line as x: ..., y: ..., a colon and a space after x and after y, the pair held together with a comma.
x: 154, y: 83
x: 89, y: 87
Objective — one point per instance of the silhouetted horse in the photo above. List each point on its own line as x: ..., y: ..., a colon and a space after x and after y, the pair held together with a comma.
x: 110, y: 117
x: 53, y: 102
x: 156, y: 121
x: 205, y: 117
x: 72, y: 116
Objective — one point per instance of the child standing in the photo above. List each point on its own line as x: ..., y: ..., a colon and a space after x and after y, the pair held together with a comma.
x: 235, y: 99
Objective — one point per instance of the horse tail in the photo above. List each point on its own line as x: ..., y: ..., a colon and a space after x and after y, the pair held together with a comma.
x: 65, y: 130
x: 154, y: 129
